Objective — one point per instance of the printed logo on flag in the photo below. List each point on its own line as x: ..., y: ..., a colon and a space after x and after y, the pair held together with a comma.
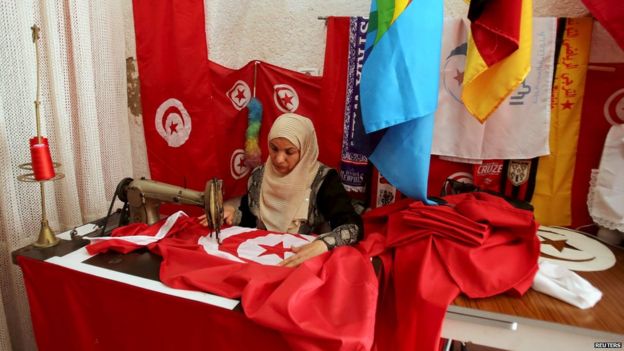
x: 518, y: 171
x: 285, y: 97
x: 453, y: 72
x: 239, y: 94
x: 173, y: 122
x: 463, y: 177
x: 238, y: 169
x: 614, y: 108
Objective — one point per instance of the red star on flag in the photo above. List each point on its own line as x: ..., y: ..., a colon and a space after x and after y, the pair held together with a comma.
x: 277, y: 249
x: 173, y: 128
x: 459, y: 77
x: 240, y: 94
x: 286, y: 99
x: 567, y: 105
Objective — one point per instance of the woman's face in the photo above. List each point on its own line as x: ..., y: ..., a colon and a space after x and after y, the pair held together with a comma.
x: 284, y: 155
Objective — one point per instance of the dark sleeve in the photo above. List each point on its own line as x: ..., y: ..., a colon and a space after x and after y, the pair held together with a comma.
x: 335, y: 205
x: 247, y: 218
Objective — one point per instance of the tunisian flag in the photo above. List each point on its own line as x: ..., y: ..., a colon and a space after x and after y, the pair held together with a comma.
x: 178, y: 117
x: 326, y: 303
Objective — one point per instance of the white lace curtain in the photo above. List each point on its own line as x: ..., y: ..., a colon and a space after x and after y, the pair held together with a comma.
x: 84, y: 116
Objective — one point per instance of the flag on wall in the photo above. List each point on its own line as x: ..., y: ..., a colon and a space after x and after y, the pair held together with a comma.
x: 610, y: 13
x: 499, y: 53
x: 553, y: 184
x: 518, y: 129
x: 399, y: 89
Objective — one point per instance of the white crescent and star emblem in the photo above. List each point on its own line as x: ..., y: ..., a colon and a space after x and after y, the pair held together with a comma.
x: 238, y: 169
x: 173, y: 122
x: 285, y: 97
x: 463, y: 177
x: 614, y: 108
x: 239, y: 94
x: 573, y: 250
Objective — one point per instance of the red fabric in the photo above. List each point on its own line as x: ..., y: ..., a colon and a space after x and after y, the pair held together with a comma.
x: 495, y: 26
x: 603, y: 91
x: 334, y: 82
x: 74, y: 311
x: 340, y: 284
x: 478, y: 245
x: 610, y: 13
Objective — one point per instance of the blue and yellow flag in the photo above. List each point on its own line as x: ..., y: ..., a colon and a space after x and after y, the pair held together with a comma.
x: 399, y: 88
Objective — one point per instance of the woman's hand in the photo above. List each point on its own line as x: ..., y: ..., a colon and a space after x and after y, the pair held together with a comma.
x: 228, y: 216
x: 304, y: 252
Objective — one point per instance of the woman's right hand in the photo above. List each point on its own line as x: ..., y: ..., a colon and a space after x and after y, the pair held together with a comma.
x: 228, y: 216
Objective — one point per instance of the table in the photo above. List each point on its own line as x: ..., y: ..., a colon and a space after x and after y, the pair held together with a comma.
x: 115, y: 315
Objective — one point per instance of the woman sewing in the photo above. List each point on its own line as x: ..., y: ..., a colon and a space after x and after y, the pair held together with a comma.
x: 295, y: 193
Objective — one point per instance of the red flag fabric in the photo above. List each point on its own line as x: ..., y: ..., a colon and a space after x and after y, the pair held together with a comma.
x: 610, y: 13
x: 602, y: 108
x: 479, y: 245
x: 281, y: 90
x: 495, y: 27
x: 190, y: 135
x: 341, y: 284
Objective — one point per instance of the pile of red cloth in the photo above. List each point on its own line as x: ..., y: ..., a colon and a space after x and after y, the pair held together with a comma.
x: 476, y: 244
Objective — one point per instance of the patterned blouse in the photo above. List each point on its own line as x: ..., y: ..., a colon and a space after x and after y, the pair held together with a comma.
x: 330, y: 214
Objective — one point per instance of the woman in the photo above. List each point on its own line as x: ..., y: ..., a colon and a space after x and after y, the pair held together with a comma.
x: 295, y: 193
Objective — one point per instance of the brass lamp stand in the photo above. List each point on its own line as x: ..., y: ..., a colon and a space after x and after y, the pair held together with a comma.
x: 46, y: 234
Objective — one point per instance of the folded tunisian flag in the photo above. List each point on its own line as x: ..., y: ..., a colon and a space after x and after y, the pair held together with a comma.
x: 478, y: 245
x: 326, y: 303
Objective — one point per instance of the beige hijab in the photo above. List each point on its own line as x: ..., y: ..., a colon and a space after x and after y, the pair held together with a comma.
x: 284, y: 200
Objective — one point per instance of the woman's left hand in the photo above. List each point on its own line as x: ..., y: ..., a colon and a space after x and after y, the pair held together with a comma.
x: 304, y: 252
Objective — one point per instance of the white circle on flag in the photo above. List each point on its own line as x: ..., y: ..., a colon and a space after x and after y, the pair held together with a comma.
x: 175, y: 126
x: 239, y: 94
x: 614, y: 108
x: 238, y: 168
x: 285, y: 97
x: 463, y: 177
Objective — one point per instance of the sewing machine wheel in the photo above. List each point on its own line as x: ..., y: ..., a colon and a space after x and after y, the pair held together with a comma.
x: 213, y: 204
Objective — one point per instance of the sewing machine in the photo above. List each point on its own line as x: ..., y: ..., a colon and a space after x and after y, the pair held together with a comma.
x: 143, y: 197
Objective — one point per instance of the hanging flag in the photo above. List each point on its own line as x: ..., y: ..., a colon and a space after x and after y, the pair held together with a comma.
x: 553, y: 183
x: 192, y: 132
x: 494, y: 68
x: 518, y: 129
x: 399, y: 89
x: 344, y: 54
x: 281, y: 90
x: 610, y: 13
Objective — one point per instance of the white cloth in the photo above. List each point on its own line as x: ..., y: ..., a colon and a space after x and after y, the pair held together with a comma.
x: 519, y: 128
x: 606, y: 194
x: 563, y: 284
